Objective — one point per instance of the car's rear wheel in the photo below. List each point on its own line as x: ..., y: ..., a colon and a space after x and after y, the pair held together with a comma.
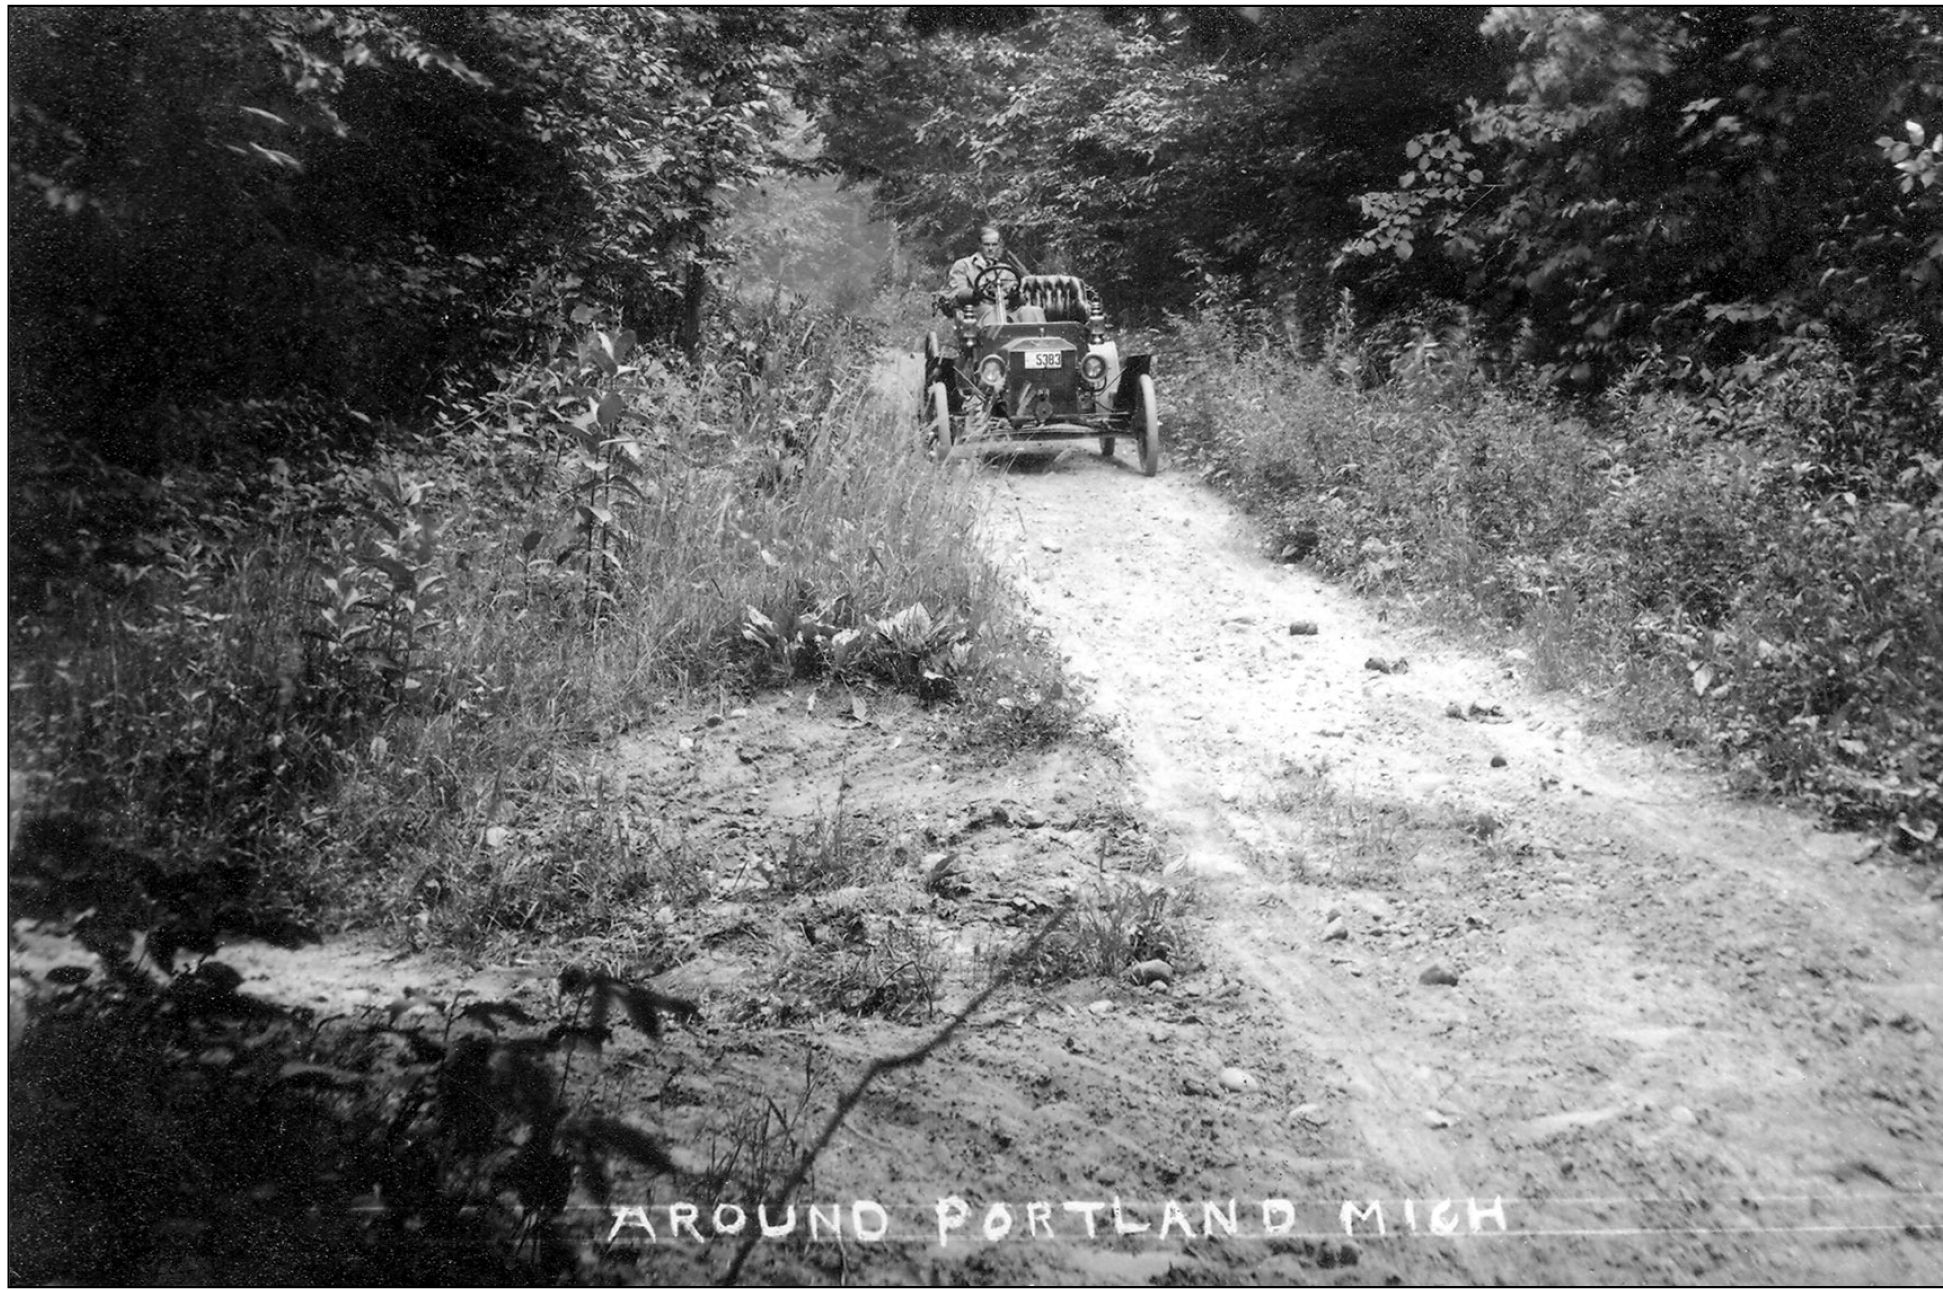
x: 938, y: 425
x: 1146, y: 419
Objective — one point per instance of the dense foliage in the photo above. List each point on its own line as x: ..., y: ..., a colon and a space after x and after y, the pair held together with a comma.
x: 1151, y: 149
x: 1583, y: 189
x: 355, y: 205
x: 1697, y: 187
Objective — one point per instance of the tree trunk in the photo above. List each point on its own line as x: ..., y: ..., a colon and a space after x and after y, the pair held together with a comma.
x: 694, y: 297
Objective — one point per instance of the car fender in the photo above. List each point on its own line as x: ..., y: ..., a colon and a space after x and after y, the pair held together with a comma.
x: 946, y: 369
x: 1132, y: 368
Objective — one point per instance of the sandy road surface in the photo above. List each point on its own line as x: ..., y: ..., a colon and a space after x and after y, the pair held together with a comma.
x: 1666, y: 1037
x: 1688, y: 1039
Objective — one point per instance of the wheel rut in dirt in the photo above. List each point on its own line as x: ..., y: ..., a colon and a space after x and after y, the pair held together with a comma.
x: 1683, y: 1037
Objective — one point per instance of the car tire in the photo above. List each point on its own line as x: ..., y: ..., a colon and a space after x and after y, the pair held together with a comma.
x: 1146, y: 419
x: 937, y: 433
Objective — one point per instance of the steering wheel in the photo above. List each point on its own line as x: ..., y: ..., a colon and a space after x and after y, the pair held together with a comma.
x: 997, y: 273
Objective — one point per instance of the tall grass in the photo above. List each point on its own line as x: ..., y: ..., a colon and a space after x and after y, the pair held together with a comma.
x: 1714, y: 566
x: 327, y: 682
x: 372, y: 688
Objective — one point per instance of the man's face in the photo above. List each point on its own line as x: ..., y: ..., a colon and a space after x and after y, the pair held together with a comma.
x: 989, y: 246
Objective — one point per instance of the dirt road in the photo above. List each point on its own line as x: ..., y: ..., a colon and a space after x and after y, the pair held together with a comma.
x: 1667, y: 1036
x: 1468, y: 993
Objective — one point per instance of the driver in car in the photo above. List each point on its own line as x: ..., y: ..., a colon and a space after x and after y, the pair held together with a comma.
x: 982, y: 275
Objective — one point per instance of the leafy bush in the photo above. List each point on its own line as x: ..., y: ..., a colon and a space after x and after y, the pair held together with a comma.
x: 1689, y: 528
x: 1656, y: 182
x: 1832, y: 673
x: 402, y: 1145
x: 250, y: 204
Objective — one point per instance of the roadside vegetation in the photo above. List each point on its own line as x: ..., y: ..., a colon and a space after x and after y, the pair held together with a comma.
x: 1694, y: 563
x: 310, y: 696
x: 335, y: 672
x: 308, y: 596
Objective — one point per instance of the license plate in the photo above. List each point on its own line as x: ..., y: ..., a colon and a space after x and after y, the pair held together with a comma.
x: 1044, y: 357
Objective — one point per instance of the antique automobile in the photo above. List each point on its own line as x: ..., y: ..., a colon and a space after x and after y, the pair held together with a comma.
x: 1034, y: 365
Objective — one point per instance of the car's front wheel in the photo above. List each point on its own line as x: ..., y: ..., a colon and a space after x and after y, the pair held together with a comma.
x: 1146, y: 419
x: 938, y: 424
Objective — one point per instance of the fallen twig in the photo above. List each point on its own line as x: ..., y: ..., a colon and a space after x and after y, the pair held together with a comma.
x: 882, y: 1066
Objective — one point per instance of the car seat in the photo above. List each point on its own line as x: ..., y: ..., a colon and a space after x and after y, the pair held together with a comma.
x: 1062, y: 296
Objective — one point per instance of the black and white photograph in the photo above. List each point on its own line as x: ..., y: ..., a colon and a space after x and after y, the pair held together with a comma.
x: 974, y: 645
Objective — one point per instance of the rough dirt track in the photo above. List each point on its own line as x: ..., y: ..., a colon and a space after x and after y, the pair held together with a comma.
x: 1688, y: 1039
x: 1666, y: 1036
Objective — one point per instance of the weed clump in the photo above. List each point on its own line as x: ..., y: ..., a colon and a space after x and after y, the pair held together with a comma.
x: 1123, y: 921
x: 867, y: 966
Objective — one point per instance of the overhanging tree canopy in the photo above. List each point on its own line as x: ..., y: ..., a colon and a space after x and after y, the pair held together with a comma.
x: 247, y: 203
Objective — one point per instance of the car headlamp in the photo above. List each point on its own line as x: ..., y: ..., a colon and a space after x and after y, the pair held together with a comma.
x: 992, y: 371
x: 1093, y: 368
